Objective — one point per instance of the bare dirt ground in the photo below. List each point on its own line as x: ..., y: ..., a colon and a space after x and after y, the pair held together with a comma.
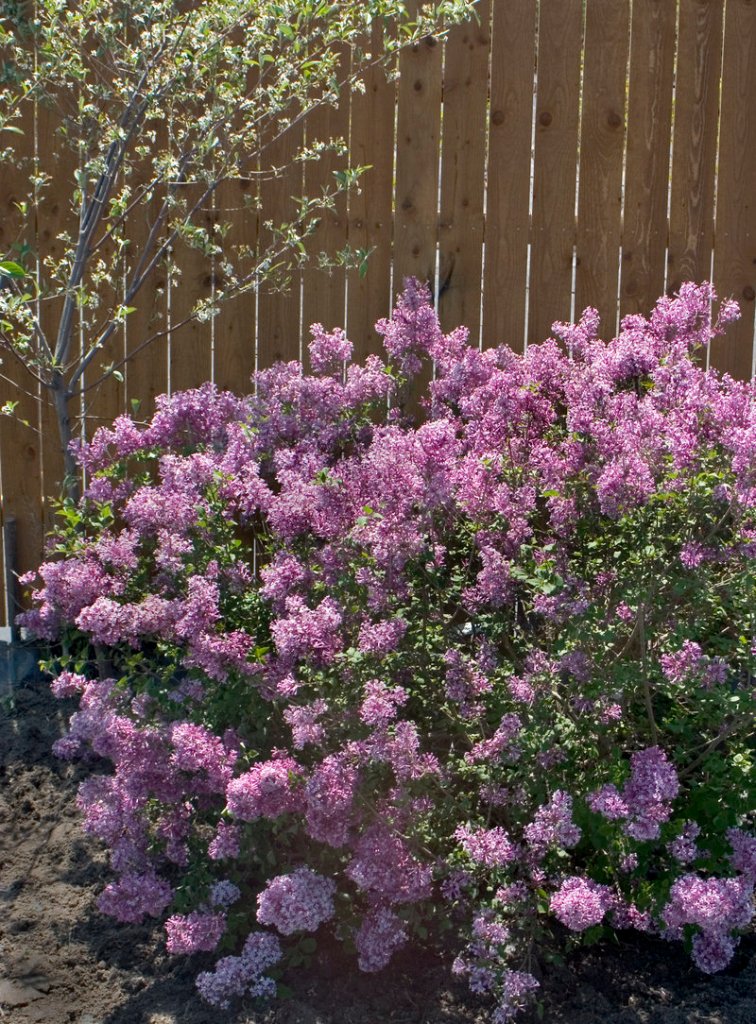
x: 61, y: 962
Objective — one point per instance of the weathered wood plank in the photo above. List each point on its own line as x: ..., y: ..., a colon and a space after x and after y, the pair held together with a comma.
x: 20, y: 446
x: 279, y: 329
x: 418, y: 134
x: 694, y: 147
x: 463, y: 159
x: 234, y: 328
x: 508, y: 197
x: 649, y: 127
x: 735, y: 240
x: 607, y: 37
x: 190, y: 353
x: 371, y: 145
x: 324, y: 292
x: 556, y: 141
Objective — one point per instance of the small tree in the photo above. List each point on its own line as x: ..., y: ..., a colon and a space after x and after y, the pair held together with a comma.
x: 153, y: 96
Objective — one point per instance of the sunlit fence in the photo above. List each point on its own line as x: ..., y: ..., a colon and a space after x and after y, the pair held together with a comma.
x: 552, y: 156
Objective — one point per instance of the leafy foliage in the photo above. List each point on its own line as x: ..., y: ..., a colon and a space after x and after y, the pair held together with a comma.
x: 157, y: 105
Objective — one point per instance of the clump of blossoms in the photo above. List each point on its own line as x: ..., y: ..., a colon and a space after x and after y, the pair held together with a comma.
x: 494, y: 668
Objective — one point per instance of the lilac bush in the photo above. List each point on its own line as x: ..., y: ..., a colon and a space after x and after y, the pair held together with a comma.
x: 491, y: 673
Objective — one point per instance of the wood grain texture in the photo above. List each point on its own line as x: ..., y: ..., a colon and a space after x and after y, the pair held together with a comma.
x: 418, y: 135
x: 370, y: 210
x: 190, y: 353
x: 599, y: 226
x: 735, y: 239
x: 508, y: 197
x: 234, y: 357
x: 463, y: 160
x: 691, y: 220
x: 278, y: 331
x: 556, y: 141
x: 324, y: 292
x: 147, y: 367
x: 20, y: 446
x: 649, y: 128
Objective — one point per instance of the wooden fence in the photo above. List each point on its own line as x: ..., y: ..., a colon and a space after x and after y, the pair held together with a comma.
x: 560, y: 153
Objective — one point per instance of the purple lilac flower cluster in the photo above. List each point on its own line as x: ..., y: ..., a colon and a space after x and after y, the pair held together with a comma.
x: 298, y: 902
x: 645, y: 802
x: 415, y: 654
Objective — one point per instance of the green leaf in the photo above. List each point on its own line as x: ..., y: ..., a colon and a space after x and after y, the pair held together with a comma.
x: 11, y: 269
x: 308, y: 945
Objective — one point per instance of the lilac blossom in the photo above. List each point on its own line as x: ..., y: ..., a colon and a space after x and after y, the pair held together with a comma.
x: 297, y: 902
x: 235, y: 976
x: 490, y: 847
x: 223, y: 894
x: 381, y: 637
x: 380, y: 935
x: 328, y: 350
x: 134, y: 896
x: 329, y: 797
x: 225, y: 843
x: 683, y: 847
x: 553, y: 826
x: 380, y: 704
x: 384, y: 868
x: 195, y: 932
x: 305, y: 725
x: 268, y: 790
x: 580, y: 903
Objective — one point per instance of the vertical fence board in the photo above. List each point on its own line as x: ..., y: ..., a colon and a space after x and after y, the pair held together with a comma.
x: 416, y: 216
x: 190, y: 348
x: 735, y: 239
x: 508, y: 173
x: 19, y: 445
x: 465, y: 96
x: 279, y: 334
x: 235, y: 324
x: 371, y: 144
x: 324, y: 292
x: 556, y: 139
x: 649, y: 125
x: 691, y: 220
x: 147, y: 366
x: 601, y: 152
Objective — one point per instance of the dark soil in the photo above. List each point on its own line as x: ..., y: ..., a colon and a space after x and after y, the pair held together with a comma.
x: 61, y: 962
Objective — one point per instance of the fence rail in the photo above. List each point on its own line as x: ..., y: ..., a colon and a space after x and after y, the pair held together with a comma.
x: 552, y: 156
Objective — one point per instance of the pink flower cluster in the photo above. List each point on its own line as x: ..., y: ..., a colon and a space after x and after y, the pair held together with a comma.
x: 298, y: 902
x: 235, y: 976
x: 268, y: 790
x: 489, y: 847
x: 195, y: 932
x: 380, y: 935
x: 396, y: 647
x: 580, y: 903
x: 718, y: 906
x: 552, y: 826
x: 645, y: 802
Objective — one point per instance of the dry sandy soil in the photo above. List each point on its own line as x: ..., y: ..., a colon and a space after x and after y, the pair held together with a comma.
x: 63, y: 963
